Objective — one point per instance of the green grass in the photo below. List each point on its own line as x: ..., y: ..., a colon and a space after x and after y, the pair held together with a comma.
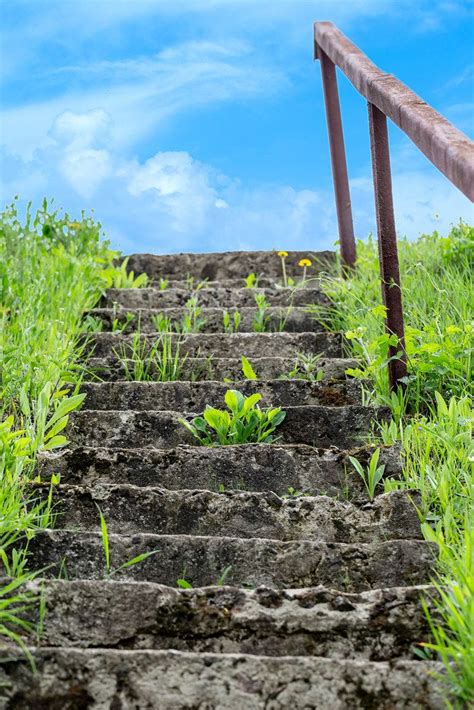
x: 432, y: 415
x: 51, y: 271
x: 160, y: 361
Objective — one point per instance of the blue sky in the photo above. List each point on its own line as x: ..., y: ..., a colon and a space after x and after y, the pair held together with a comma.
x: 199, y: 124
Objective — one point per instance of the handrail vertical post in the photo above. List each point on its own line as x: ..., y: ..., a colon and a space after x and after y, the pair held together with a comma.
x: 338, y: 161
x: 387, y: 242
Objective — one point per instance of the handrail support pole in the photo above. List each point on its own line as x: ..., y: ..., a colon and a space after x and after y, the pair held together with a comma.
x: 338, y: 162
x: 387, y: 242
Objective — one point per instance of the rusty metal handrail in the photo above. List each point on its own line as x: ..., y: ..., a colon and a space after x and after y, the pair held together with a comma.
x: 450, y: 150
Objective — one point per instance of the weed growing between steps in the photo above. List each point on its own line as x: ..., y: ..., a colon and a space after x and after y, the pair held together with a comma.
x: 432, y: 418
x: 51, y: 270
x: 245, y: 424
x: 161, y: 361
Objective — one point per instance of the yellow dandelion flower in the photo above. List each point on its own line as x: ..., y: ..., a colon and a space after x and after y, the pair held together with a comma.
x: 282, y: 254
x: 304, y: 262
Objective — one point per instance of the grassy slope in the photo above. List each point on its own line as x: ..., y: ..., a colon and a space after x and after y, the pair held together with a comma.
x: 432, y: 418
x: 51, y: 270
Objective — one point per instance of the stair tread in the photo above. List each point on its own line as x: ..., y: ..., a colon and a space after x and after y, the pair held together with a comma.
x: 319, y: 425
x: 235, y: 264
x: 252, y: 467
x: 245, y: 514
x: 252, y: 561
x: 194, y: 396
x: 211, y: 296
x: 231, y: 344
x: 301, y: 622
x: 199, y: 369
x: 227, y: 681
x: 294, y: 319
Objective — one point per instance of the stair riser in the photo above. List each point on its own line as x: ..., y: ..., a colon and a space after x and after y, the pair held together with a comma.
x: 290, y: 320
x: 252, y: 468
x: 233, y: 265
x: 210, y: 297
x: 112, y: 369
x: 193, y: 397
x: 318, y: 426
x: 312, y: 622
x: 99, y: 680
x: 136, y: 510
x: 251, y: 345
x: 203, y: 560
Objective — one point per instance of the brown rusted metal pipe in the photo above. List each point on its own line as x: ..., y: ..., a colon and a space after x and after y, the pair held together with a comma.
x: 445, y: 145
x: 387, y: 242
x: 339, y: 164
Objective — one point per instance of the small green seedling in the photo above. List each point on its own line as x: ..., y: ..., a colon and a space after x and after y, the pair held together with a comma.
x: 261, y: 320
x: 109, y: 571
x: 121, y: 322
x: 306, y: 367
x: 294, y: 493
x: 247, y: 369
x: 118, y: 277
x: 251, y: 281
x: 372, y: 475
x: 224, y: 575
x: 192, y: 322
x: 231, y: 325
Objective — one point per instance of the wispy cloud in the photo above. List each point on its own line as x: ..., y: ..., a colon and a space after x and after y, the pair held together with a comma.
x: 139, y: 94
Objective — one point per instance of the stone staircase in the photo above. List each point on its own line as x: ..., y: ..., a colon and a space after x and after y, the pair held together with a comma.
x: 304, y: 593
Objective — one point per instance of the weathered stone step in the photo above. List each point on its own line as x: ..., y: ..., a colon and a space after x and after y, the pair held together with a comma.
x: 99, y: 679
x: 194, y: 396
x: 203, y: 560
x: 255, y: 467
x: 379, y: 625
x: 224, y: 345
x: 211, y: 297
x: 193, y: 285
x: 112, y: 369
x: 291, y: 319
x: 132, y: 509
x: 225, y: 265
x: 315, y: 425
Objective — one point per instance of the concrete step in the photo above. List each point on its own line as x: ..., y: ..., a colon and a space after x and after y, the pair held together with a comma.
x: 133, y: 509
x: 112, y: 368
x: 194, y: 396
x: 290, y: 319
x: 247, y: 562
x: 255, y: 467
x: 225, y: 265
x: 193, y: 285
x: 99, y: 679
x: 316, y: 621
x: 224, y: 345
x: 211, y: 297
x: 316, y: 425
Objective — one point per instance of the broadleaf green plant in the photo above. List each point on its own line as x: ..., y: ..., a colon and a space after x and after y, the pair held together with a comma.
x: 244, y: 423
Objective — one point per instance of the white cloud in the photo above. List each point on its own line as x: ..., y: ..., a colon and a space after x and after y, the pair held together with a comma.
x: 81, y: 129
x: 171, y: 202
